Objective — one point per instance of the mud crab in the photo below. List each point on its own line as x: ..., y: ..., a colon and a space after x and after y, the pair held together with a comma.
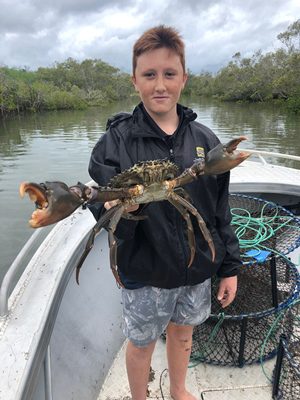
x: 143, y: 183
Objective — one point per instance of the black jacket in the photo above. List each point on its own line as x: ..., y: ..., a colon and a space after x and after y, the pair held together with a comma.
x: 155, y: 251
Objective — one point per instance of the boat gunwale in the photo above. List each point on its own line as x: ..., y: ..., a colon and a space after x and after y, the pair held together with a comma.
x: 34, y: 348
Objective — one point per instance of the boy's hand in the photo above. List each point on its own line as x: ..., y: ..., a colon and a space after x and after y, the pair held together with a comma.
x: 227, y: 290
x: 110, y: 204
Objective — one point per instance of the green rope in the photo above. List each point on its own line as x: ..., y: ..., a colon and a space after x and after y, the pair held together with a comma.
x: 199, y: 356
x: 271, y: 334
x: 263, y: 228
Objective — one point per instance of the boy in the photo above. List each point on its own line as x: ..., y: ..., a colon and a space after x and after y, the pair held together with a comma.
x: 160, y: 292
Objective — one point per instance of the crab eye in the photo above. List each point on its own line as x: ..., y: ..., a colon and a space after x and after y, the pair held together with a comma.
x: 169, y: 177
x: 37, y: 205
x: 132, y: 182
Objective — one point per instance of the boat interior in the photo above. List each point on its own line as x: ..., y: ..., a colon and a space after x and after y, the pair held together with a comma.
x: 63, y: 341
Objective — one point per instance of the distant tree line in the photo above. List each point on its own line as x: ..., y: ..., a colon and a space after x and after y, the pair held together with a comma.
x: 67, y: 85
x: 74, y: 85
x: 275, y: 75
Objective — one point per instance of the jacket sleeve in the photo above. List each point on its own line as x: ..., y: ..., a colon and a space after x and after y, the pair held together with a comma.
x: 104, y: 164
x: 232, y: 261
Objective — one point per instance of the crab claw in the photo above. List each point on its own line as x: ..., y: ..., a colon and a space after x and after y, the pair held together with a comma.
x: 224, y: 157
x: 54, y: 201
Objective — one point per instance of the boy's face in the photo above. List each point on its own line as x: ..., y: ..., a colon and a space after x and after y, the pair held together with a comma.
x: 159, y: 78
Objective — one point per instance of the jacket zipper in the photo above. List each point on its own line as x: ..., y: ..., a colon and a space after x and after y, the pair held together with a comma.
x: 181, y: 234
x: 171, y: 154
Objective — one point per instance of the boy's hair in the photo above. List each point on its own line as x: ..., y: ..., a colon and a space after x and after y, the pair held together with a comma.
x: 156, y: 38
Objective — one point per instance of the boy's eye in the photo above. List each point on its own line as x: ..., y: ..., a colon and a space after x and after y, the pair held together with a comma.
x: 149, y: 74
x: 170, y: 74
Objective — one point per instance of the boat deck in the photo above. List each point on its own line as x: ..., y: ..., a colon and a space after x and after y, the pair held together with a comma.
x: 205, y: 382
x: 252, y: 176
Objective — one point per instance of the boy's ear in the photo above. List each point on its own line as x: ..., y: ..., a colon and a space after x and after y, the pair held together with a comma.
x: 185, y: 78
x: 133, y: 80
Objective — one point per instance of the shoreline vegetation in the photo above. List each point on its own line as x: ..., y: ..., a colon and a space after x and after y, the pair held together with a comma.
x: 274, y: 76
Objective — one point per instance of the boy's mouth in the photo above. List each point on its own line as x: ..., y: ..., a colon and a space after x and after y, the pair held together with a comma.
x: 160, y: 97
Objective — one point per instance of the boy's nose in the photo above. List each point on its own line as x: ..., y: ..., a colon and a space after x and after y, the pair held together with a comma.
x: 160, y: 84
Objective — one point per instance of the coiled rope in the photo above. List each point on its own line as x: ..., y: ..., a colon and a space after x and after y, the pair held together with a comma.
x: 262, y: 228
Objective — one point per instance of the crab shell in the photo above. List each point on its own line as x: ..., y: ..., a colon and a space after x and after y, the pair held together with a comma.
x: 145, y: 173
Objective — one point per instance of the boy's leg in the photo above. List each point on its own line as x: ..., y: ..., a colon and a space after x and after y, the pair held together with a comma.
x: 179, y: 345
x: 138, y: 360
x: 146, y: 313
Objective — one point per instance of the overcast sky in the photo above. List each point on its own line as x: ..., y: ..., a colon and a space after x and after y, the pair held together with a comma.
x: 37, y: 33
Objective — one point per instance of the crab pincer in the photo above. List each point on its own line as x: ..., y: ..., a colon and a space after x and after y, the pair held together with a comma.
x: 54, y: 201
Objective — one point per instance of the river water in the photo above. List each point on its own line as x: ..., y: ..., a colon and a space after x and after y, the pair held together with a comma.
x: 57, y: 146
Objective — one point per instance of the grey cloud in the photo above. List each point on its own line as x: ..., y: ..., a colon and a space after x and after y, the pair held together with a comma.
x: 38, y: 33
x: 34, y: 15
x: 74, y: 7
x: 21, y: 21
x: 194, y: 5
x: 20, y: 53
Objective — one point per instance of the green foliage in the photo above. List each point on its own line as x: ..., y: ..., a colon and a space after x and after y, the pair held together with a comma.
x: 293, y: 103
x: 66, y: 85
x: 199, y: 85
x: 291, y: 37
x: 99, y: 82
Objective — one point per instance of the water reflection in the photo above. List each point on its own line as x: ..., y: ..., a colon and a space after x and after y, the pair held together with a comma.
x: 265, y: 127
x: 57, y: 145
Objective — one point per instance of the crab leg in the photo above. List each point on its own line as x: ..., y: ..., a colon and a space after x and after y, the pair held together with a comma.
x: 201, y: 223
x: 130, y: 217
x: 102, y: 194
x: 190, y: 230
x: 192, y: 243
x: 113, y: 243
x: 188, y: 175
x: 90, y: 242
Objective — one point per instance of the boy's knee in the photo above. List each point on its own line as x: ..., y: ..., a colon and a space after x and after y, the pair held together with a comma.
x: 180, y: 334
x: 140, y: 351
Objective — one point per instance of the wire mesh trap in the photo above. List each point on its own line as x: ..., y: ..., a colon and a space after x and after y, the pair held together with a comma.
x: 263, y: 227
x: 235, y: 335
x: 286, y: 377
x: 268, y: 282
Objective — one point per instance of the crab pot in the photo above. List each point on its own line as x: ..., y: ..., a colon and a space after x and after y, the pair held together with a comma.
x: 235, y: 335
x: 286, y: 376
x: 268, y: 282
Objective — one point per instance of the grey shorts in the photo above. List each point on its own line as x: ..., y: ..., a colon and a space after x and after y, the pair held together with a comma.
x: 147, y: 311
